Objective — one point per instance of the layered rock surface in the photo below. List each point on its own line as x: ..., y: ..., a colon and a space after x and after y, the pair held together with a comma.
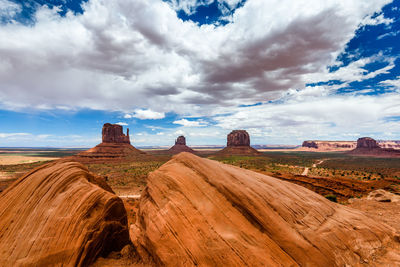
x: 180, y: 146
x: 60, y: 214
x: 196, y: 211
x: 238, y: 142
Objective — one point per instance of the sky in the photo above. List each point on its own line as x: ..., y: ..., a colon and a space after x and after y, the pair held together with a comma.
x: 284, y: 70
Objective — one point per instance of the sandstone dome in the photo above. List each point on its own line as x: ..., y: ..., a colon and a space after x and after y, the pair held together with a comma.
x: 60, y: 215
x: 199, y: 212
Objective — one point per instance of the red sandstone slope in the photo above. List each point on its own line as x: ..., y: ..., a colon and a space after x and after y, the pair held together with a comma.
x: 60, y: 214
x: 196, y: 211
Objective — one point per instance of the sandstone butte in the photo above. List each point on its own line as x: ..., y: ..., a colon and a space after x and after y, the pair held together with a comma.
x: 60, y: 215
x: 367, y: 146
x: 180, y: 146
x: 238, y: 143
x: 199, y: 212
x: 115, y: 145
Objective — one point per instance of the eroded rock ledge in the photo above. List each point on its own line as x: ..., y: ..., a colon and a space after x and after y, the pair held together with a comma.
x: 60, y: 214
x: 196, y: 211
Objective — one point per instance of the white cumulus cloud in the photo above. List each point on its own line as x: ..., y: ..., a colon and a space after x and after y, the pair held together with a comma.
x: 138, y: 56
x: 191, y: 123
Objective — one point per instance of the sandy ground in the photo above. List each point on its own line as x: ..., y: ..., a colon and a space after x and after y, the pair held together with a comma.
x: 387, y: 212
x: 16, y: 159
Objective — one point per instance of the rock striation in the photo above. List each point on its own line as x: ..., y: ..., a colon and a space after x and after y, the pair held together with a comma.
x: 60, y: 215
x: 197, y: 211
x: 113, y: 133
x: 180, y: 146
x: 115, y: 146
x: 238, y: 142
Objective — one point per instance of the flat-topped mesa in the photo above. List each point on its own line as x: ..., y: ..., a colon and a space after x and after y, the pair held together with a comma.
x: 238, y: 138
x: 113, y: 133
x: 310, y: 144
x: 181, y: 140
x: 320, y: 145
x: 367, y: 142
x: 366, y: 146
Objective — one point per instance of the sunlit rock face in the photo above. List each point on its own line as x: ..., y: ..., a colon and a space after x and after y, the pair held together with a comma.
x: 60, y: 214
x: 113, y: 133
x: 200, y: 212
x: 238, y: 138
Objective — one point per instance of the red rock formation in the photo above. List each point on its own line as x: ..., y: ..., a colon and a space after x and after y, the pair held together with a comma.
x: 60, y: 214
x: 395, y: 144
x: 112, y: 133
x: 238, y: 143
x: 180, y: 146
x: 367, y: 142
x: 238, y: 138
x: 181, y: 140
x: 329, y: 145
x: 367, y: 146
x: 115, y: 146
x: 197, y: 211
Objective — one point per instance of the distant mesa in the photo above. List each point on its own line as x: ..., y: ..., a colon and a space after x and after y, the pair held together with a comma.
x: 367, y: 146
x: 60, y: 214
x: 180, y: 146
x: 329, y: 145
x: 238, y: 143
x: 115, y: 145
x: 318, y: 145
x: 192, y: 204
x: 367, y: 143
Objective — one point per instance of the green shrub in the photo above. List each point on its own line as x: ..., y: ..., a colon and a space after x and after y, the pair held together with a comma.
x: 331, y: 197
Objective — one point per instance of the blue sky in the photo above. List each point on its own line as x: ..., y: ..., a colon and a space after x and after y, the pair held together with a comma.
x: 286, y: 71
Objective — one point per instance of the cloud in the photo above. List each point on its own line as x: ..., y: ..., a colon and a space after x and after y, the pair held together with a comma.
x: 355, y: 71
x: 329, y: 117
x: 8, y: 10
x: 13, y: 135
x: 191, y: 123
x: 122, y: 123
x: 393, y: 83
x: 130, y: 56
x: 145, y: 114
